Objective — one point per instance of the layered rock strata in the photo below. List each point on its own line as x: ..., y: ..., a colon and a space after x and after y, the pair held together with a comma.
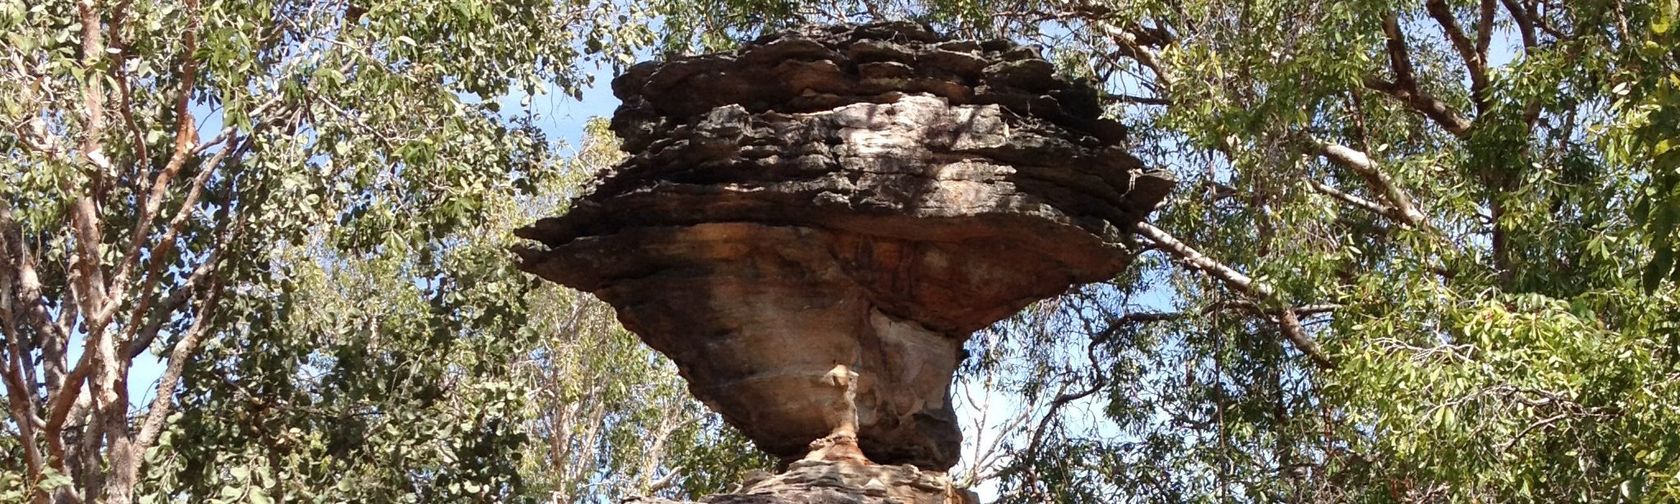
x: 812, y: 225
x: 820, y: 482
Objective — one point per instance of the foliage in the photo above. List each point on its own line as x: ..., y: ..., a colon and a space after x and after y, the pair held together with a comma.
x: 300, y: 212
x: 1647, y: 98
x: 611, y: 418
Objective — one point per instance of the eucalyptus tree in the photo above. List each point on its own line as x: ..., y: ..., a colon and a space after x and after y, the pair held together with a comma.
x: 1420, y: 251
x: 222, y: 188
x: 610, y: 417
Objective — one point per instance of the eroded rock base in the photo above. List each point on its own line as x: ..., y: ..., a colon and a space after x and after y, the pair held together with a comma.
x: 823, y: 482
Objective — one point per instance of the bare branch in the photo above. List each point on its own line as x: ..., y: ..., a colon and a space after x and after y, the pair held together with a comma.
x: 1431, y: 107
x: 144, y: 336
x: 1379, y: 182
x: 59, y: 406
x: 1405, y: 86
x: 166, y: 243
x: 1399, y: 57
x: 20, y: 397
x: 21, y: 390
x: 125, y: 94
x: 87, y: 274
x: 1484, y: 30
x: 152, y: 425
x: 1474, y: 53
x: 93, y: 90
x: 1140, y: 45
x: 1525, y: 23
x: 663, y: 483
x: 186, y: 134
x: 1368, y: 205
x: 1063, y: 397
x: 1197, y: 260
x: 28, y: 283
x: 1297, y: 336
x: 1443, y: 16
x: 84, y: 211
x: 1242, y: 283
x: 1142, y: 100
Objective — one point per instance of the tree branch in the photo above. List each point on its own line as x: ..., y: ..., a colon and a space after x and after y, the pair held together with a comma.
x: 93, y: 91
x: 21, y: 390
x: 87, y: 275
x: 1368, y: 205
x: 1142, y: 100
x: 1399, y: 57
x: 1195, y: 259
x: 1431, y: 107
x: 1375, y: 178
x: 1484, y: 31
x: 1297, y: 335
x: 125, y: 92
x: 186, y: 136
x: 152, y: 425
x: 166, y: 243
x: 1525, y: 23
x: 28, y: 283
x: 1405, y: 86
x: 1239, y: 282
x: 1137, y: 44
x: 144, y: 336
x: 1474, y: 53
x: 1443, y: 16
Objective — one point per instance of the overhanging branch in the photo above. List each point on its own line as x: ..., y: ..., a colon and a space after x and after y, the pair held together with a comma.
x: 1405, y: 87
x: 1399, y: 204
x: 1289, y: 320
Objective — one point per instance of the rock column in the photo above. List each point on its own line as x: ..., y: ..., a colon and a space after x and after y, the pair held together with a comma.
x: 811, y: 226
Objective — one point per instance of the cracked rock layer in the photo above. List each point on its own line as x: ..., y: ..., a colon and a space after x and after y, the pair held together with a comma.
x: 859, y: 195
x: 808, y: 482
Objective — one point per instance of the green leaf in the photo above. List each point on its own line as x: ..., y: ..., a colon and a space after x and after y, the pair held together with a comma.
x: 52, y: 480
x: 1662, y: 261
x: 258, y: 496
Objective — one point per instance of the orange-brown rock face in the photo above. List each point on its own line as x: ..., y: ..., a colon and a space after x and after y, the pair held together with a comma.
x: 861, y: 196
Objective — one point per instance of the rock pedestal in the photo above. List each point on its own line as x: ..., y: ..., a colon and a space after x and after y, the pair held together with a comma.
x: 823, y: 482
x: 812, y: 225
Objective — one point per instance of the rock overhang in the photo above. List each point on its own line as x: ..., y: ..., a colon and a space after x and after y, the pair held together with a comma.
x: 857, y: 195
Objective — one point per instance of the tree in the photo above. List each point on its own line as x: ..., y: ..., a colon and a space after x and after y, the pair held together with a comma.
x: 183, y: 179
x: 612, y: 418
x: 1647, y: 101
x: 437, y: 372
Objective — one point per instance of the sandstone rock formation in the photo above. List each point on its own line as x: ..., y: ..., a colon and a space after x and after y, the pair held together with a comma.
x: 821, y: 482
x: 853, y: 200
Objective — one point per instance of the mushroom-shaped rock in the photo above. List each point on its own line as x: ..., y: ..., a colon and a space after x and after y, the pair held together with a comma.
x: 853, y: 200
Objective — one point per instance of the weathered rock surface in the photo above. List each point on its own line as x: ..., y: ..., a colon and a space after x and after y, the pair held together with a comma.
x: 809, y: 482
x: 861, y: 196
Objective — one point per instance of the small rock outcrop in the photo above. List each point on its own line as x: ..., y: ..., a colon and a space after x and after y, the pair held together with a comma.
x: 822, y: 482
x: 812, y: 225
